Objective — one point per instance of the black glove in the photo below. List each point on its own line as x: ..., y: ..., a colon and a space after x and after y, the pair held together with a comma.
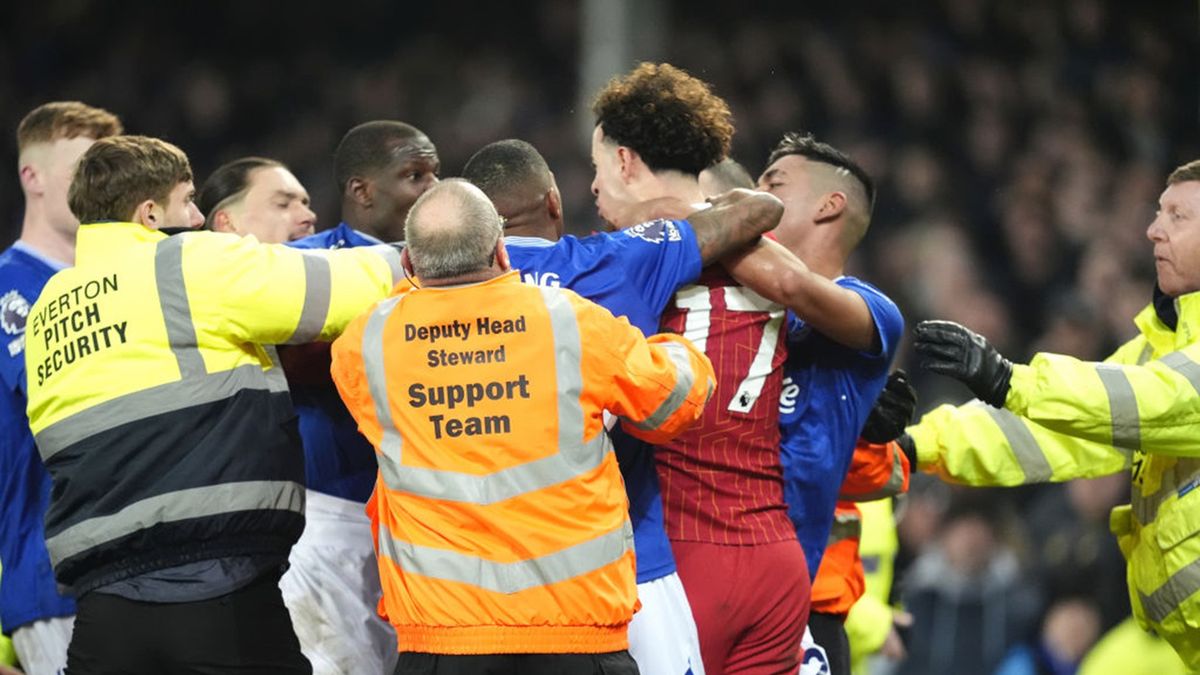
x: 949, y: 349
x: 909, y: 448
x: 893, y: 410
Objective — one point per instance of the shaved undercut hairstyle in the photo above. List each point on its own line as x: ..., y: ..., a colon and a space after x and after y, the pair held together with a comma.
x: 367, y: 148
x: 672, y: 120
x: 815, y: 151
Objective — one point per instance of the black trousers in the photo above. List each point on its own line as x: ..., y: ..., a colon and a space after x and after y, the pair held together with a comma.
x: 829, y: 631
x: 247, y: 632
x: 612, y: 663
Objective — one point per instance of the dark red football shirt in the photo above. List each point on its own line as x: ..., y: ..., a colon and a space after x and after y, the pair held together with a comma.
x: 721, y: 480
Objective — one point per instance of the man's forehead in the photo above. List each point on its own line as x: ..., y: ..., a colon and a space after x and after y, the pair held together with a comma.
x: 416, y: 147
x: 786, y: 165
x: 1182, y: 193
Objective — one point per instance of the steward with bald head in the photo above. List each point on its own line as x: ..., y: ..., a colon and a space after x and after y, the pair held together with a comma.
x: 501, y: 517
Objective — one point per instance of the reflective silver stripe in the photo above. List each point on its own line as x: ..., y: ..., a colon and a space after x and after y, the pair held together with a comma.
x: 568, y: 379
x: 176, y: 311
x: 501, y: 485
x: 276, y: 379
x: 1122, y: 403
x: 574, y: 456
x: 316, y: 299
x: 1025, y: 447
x: 1181, y: 586
x: 138, y: 405
x: 1147, y: 352
x: 895, y: 482
x: 1185, y: 366
x: 844, y: 527
x: 1182, y: 473
x: 392, y: 255
x: 175, y: 506
x: 685, y: 378
x: 511, y: 577
x: 373, y: 366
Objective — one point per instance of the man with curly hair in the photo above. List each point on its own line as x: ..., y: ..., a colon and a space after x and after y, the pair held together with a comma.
x: 657, y: 128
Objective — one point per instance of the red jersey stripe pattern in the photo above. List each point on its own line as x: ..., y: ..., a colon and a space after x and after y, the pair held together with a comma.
x: 721, y: 480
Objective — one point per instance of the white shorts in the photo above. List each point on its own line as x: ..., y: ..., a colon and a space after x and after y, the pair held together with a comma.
x: 42, y: 645
x: 662, y: 636
x: 813, y: 660
x: 332, y: 591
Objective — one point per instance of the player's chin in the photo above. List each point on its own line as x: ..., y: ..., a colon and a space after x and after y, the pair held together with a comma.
x: 607, y: 224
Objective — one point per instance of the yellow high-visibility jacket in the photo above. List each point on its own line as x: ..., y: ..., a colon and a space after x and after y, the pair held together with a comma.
x: 164, y: 422
x: 1066, y: 419
x: 870, y: 619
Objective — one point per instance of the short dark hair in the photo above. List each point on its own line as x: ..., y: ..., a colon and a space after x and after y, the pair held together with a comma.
x: 228, y: 181
x: 506, y: 166
x: 1185, y: 173
x: 671, y: 119
x: 120, y: 172
x: 65, y: 119
x: 795, y: 143
x: 366, y: 148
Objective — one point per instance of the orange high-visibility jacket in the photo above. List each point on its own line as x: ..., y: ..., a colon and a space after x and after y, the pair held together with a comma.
x: 501, y: 520
x: 877, y: 470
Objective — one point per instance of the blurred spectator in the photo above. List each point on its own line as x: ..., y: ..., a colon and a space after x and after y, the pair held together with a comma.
x: 1069, y: 630
x: 1074, y: 553
x: 966, y: 595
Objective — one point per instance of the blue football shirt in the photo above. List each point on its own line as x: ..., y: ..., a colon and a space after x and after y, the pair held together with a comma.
x: 828, y: 392
x: 28, y: 591
x: 633, y: 273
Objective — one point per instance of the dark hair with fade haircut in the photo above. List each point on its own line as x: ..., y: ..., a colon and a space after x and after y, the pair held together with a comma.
x: 66, y: 119
x: 671, y: 119
x: 120, y: 172
x: 501, y: 167
x: 367, y: 148
x: 229, y: 182
x: 795, y: 143
x: 1187, y: 172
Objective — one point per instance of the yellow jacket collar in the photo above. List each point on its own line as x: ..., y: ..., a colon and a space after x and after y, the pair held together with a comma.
x: 1161, y: 337
x: 101, y: 241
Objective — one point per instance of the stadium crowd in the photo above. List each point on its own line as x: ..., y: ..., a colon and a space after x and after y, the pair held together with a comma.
x: 1017, y: 154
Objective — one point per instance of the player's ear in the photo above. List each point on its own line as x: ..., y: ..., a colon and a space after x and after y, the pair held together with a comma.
x: 359, y: 189
x: 554, y: 203
x: 628, y: 162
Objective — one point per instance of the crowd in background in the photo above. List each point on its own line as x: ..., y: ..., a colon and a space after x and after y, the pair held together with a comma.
x: 1019, y: 149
